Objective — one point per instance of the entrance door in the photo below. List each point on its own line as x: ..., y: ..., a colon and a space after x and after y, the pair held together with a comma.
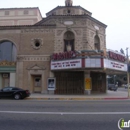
x: 5, y: 82
x: 98, y: 82
x: 37, y: 84
x: 69, y: 83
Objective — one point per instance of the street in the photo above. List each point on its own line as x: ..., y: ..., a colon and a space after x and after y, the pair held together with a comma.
x: 62, y: 115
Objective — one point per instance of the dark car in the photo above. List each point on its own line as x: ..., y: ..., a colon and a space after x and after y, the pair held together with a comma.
x: 14, y: 92
x: 112, y: 87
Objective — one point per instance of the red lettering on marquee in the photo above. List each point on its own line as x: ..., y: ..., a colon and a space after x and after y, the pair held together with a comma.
x: 115, y: 56
x: 64, y: 55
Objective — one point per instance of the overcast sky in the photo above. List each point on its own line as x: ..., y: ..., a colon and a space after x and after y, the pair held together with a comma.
x: 114, y: 13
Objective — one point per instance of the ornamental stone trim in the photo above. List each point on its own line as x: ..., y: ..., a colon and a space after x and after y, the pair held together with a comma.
x: 33, y: 58
x: 78, y: 32
x: 37, y: 31
x: 7, y: 63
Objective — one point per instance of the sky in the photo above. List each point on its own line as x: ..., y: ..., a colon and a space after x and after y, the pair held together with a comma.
x: 114, y: 13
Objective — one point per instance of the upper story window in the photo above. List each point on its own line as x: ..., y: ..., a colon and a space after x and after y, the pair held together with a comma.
x: 6, y: 12
x: 69, y: 41
x: 69, y: 11
x: 97, y: 43
x: 25, y: 12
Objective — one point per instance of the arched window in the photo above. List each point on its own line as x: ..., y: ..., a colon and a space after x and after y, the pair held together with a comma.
x: 97, y: 43
x: 7, y: 51
x: 69, y: 41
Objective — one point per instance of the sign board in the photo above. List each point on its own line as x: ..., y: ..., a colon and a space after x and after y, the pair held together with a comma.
x: 88, y: 84
x: 116, y: 56
x: 5, y: 75
x: 51, y: 83
x: 93, y: 63
x: 64, y: 55
x: 115, y: 65
x: 66, y: 64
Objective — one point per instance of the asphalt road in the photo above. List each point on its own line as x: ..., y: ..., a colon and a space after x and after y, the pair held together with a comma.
x: 62, y: 115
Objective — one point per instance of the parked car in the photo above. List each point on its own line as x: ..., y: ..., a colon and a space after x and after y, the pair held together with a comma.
x: 126, y: 86
x: 112, y: 87
x: 14, y: 92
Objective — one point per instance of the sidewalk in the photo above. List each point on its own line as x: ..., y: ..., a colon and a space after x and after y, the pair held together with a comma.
x: 110, y: 95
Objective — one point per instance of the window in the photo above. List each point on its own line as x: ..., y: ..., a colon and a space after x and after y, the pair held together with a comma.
x: 69, y: 41
x: 10, y: 48
x: 25, y: 11
x: 15, y: 89
x: 38, y: 82
x: 37, y: 43
x: 7, y: 89
x: 97, y: 43
x: 69, y: 11
x: 7, y: 12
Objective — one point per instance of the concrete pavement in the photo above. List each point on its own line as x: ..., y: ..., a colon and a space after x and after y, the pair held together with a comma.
x: 110, y: 95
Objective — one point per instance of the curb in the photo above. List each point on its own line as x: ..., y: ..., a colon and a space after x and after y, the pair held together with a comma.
x: 119, y: 98
x: 79, y: 99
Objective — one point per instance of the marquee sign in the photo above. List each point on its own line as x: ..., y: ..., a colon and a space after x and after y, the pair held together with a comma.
x: 93, y: 63
x: 115, y: 65
x: 64, y: 55
x: 66, y: 64
x: 116, y: 56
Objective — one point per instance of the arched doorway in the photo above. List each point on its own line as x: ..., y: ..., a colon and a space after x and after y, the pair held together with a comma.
x: 69, y: 41
x: 8, y: 55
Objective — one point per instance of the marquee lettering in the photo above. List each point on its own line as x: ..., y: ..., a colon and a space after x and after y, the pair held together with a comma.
x: 64, y: 55
x: 116, y: 56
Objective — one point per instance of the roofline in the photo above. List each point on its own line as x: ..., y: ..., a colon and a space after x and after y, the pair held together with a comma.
x: 52, y: 9
x: 69, y: 7
x: 19, y: 8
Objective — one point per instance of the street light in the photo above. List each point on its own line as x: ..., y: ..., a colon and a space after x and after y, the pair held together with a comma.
x: 127, y: 70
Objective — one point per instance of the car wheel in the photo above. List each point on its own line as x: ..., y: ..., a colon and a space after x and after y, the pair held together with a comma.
x: 17, y: 96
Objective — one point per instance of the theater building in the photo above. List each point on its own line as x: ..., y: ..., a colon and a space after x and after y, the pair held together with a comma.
x: 64, y: 53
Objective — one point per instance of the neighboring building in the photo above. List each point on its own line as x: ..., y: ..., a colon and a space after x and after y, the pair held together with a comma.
x: 19, y: 16
x: 64, y: 53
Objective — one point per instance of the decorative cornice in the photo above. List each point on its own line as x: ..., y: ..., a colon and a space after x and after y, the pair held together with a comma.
x: 36, y: 67
x: 27, y: 26
x: 7, y: 63
x: 37, y: 30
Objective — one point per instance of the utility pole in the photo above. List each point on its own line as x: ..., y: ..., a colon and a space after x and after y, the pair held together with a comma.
x: 127, y: 70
